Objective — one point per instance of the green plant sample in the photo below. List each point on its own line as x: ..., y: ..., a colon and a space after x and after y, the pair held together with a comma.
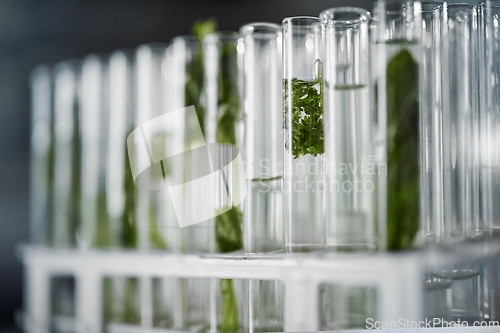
x: 130, y: 306
x: 230, y: 320
x: 128, y: 237
x: 306, y: 115
x: 195, y: 72
x: 228, y: 235
x: 107, y: 299
x: 102, y: 230
x: 46, y: 237
x: 402, y: 151
x: 76, y: 158
x: 229, y: 238
x: 229, y: 104
x: 155, y: 237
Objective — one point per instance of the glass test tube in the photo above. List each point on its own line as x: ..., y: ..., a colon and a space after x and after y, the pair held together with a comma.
x: 303, y: 134
x: 223, y: 126
x: 262, y: 68
x: 490, y: 143
x: 460, y: 67
x: 185, y: 80
x: 490, y: 126
x: 42, y: 155
x: 460, y: 112
x: 435, y: 289
x: 350, y: 222
x: 120, y: 295
x: 431, y: 122
x: 397, y: 123
x: 149, y: 105
x: 94, y: 118
x: 350, y: 196
x: 120, y: 187
x: 67, y: 155
x: 263, y: 215
x: 157, y: 226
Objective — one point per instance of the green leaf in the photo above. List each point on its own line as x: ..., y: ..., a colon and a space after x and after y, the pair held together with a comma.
x: 102, y: 230
x: 306, y: 115
x: 228, y: 234
x: 129, y: 237
x: 403, y: 177
x: 195, y: 71
x: 229, y: 106
x: 131, y: 312
x: 76, y: 172
x: 155, y: 237
x: 202, y: 28
x: 230, y: 319
x: 107, y: 299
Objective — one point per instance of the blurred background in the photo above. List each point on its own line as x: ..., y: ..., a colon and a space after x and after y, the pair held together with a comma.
x: 48, y: 31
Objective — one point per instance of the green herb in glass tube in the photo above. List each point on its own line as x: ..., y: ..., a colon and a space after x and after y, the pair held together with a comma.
x: 228, y: 232
x: 307, y: 115
x: 402, y: 149
x: 194, y: 70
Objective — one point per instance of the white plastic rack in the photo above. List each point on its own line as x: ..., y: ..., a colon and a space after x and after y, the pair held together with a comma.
x: 397, y: 277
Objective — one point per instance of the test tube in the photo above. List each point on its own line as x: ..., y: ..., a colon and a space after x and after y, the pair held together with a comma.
x: 262, y: 113
x: 120, y: 295
x: 350, y: 222
x: 223, y: 126
x: 397, y: 123
x: 42, y: 154
x: 120, y: 187
x: 151, y: 212
x: 67, y: 155
x: 303, y: 134
x: 460, y: 142
x: 262, y: 68
x: 431, y: 122
x: 185, y: 77
x: 460, y: 67
x: 95, y: 225
x: 490, y: 139
x: 490, y: 117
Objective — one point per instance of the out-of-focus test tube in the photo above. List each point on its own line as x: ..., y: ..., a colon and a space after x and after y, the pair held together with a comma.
x: 149, y: 103
x: 94, y: 117
x: 223, y: 126
x: 42, y: 155
x: 67, y: 155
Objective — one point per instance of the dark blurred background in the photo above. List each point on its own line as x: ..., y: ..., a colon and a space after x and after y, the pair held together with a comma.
x: 48, y: 31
